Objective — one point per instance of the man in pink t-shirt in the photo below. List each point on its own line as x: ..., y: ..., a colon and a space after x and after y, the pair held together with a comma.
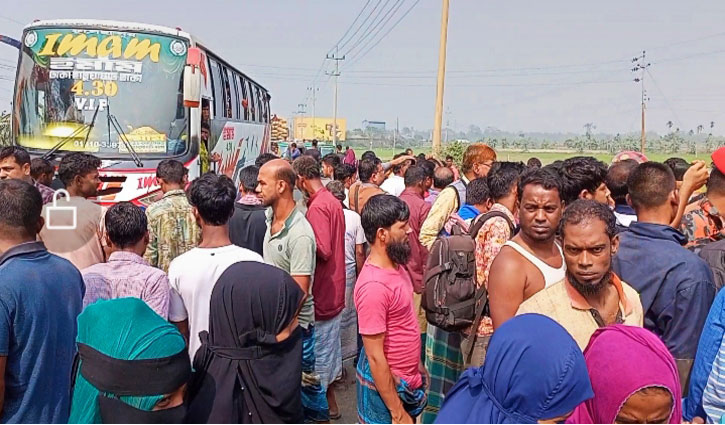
x: 391, y: 381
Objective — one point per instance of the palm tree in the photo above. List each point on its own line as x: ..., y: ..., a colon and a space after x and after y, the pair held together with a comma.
x: 700, y: 127
x: 669, y: 125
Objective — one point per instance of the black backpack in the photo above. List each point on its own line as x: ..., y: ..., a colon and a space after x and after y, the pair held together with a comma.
x: 450, y: 298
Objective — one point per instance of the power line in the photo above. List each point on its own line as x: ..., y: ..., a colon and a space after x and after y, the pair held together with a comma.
x: 12, y: 20
x: 692, y: 40
x: 364, y: 76
x: 367, y: 38
x: 360, y: 56
x: 358, y: 28
x: 694, y: 55
x: 473, y: 71
x: 368, y: 30
x: 432, y: 84
x: 351, y: 26
x: 667, y: 102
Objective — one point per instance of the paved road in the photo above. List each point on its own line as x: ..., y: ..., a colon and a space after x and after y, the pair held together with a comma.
x: 347, y: 396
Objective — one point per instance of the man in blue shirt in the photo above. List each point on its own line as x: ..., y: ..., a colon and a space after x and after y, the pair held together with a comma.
x: 478, y: 200
x: 675, y: 286
x: 40, y: 297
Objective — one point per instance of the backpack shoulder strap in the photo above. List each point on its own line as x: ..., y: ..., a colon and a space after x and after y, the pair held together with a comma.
x: 356, y: 197
x: 460, y: 188
x: 482, y: 219
x: 481, y: 298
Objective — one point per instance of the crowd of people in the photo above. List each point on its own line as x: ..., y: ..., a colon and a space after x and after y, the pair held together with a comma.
x: 497, y: 292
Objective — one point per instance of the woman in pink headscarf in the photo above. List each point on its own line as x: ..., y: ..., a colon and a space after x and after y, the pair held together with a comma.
x: 349, y: 157
x: 634, y: 378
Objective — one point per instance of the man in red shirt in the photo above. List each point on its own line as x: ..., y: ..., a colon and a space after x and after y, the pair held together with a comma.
x: 418, y: 180
x: 324, y: 213
x: 389, y: 366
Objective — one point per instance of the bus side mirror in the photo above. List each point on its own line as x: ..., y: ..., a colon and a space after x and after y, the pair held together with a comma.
x: 192, y: 86
x: 192, y: 78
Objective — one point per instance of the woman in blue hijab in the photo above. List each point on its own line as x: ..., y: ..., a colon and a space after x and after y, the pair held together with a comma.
x: 533, y: 372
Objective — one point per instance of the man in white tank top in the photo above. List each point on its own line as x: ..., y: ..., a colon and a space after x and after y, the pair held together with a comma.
x: 532, y: 260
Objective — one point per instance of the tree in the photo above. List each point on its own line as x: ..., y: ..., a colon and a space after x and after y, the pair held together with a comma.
x: 455, y: 149
x: 669, y: 125
x: 5, y: 129
x: 709, y: 143
x: 615, y: 144
x: 590, y: 142
x: 700, y: 128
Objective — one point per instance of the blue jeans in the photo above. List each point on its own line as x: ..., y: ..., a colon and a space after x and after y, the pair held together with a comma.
x: 314, y: 397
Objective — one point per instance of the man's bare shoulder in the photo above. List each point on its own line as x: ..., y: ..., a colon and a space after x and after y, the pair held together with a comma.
x: 507, y: 261
x: 545, y: 301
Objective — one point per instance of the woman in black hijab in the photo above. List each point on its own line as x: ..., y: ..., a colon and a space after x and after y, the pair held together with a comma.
x: 249, y: 367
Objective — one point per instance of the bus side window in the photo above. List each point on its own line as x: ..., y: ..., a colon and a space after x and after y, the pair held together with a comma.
x: 217, y: 88
x: 260, y: 110
x: 252, y: 102
x: 244, y: 102
x: 234, y: 95
x: 262, y: 107
x: 227, y: 93
x: 265, y: 103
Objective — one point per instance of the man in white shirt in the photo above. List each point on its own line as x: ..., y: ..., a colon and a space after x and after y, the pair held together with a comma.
x: 192, y: 275
x: 354, y: 261
x: 395, y: 184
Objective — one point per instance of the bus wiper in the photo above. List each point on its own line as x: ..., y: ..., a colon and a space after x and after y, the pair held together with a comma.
x: 121, y: 135
x: 73, y: 135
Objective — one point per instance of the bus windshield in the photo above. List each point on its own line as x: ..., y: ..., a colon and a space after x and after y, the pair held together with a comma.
x: 94, y: 90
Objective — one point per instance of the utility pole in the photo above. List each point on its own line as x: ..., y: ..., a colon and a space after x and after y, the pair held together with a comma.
x: 301, y: 110
x: 313, y: 90
x: 441, y: 79
x: 641, y: 66
x: 335, y: 74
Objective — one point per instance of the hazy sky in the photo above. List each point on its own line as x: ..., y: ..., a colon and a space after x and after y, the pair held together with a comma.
x: 518, y: 65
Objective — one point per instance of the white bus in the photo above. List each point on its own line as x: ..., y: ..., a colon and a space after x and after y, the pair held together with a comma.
x: 134, y: 95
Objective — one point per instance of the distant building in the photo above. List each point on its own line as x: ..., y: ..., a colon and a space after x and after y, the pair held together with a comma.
x: 320, y: 128
x: 373, y: 125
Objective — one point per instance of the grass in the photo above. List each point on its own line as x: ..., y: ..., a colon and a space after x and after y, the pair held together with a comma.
x: 546, y: 157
